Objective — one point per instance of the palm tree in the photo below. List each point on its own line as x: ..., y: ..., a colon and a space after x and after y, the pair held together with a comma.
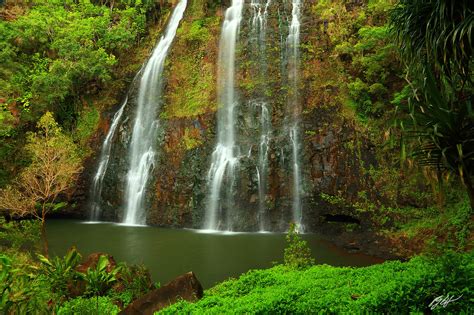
x: 435, y: 39
x: 437, y: 33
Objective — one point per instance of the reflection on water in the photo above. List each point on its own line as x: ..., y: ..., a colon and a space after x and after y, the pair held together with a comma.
x: 171, y: 252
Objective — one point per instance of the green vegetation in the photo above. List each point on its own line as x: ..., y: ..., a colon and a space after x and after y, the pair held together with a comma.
x: 393, y: 78
x: 297, y: 254
x: 20, y: 235
x: 192, y: 138
x: 416, y: 230
x: 57, y: 286
x: 99, y: 280
x: 400, y: 71
x: 391, y: 287
x: 55, y: 163
x: 435, y: 41
x: 58, y: 56
x: 135, y: 280
x: 87, y: 125
x: 60, y: 271
x: 91, y: 306
x: 361, y: 39
x: 191, y: 73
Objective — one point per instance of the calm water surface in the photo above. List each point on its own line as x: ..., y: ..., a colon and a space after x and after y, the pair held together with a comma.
x: 167, y: 253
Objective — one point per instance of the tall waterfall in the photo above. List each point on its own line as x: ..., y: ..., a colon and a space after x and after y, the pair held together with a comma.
x: 142, y: 146
x: 225, y: 155
x: 293, y: 41
x: 97, y: 181
x: 258, y: 36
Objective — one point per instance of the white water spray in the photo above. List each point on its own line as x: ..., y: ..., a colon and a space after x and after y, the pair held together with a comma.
x: 293, y: 41
x: 142, y: 146
x: 104, y: 157
x: 259, y: 17
x: 224, y: 157
x: 262, y: 168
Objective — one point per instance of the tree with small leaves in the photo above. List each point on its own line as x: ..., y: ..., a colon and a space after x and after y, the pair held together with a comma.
x: 297, y: 254
x: 55, y: 164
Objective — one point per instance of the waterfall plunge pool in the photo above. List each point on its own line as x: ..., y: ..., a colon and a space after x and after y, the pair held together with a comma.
x: 168, y: 253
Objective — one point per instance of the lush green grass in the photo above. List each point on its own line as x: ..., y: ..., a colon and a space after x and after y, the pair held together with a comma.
x: 392, y: 287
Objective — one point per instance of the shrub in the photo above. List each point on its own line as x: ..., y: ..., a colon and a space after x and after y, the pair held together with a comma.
x: 87, y: 125
x: 61, y: 271
x: 297, y: 253
x: 99, y: 280
x: 393, y: 287
x: 134, y: 281
x: 21, y: 291
x: 91, y: 306
x: 24, y: 234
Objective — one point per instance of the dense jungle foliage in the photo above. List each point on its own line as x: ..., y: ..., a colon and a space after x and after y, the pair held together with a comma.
x: 401, y: 70
x: 57, y: 56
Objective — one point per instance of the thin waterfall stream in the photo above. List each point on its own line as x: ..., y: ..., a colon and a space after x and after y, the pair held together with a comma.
x: 225, y: 155
x: 259, y: 17
x: 142, y: 152
x: 97, y: 181
x: 293, y: 41
x: 142, y: 146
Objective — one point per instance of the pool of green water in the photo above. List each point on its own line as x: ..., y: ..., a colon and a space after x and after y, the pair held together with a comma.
x: 167, y: 253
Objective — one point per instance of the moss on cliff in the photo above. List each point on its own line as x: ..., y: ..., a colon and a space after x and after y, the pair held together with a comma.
x: 191, y: 88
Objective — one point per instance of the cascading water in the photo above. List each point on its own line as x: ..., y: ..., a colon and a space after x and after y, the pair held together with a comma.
x: 258, y: 37
x: 225, y: 155
x: 262, y: 168
x: 96, y: 189
x: 142, y: 146
x: 297, y: 211
x: 293, y: 41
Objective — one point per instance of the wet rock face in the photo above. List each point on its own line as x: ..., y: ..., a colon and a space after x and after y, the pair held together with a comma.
x: 337, y: 158
x: 334, y: 156
x: 114, y: 183
x: 186, y: 287
x: 180, y: 184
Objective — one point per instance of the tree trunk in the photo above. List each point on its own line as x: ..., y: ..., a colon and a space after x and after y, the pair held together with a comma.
x: 440, y: 195
x: 470, y: 189
x: 43, y: 234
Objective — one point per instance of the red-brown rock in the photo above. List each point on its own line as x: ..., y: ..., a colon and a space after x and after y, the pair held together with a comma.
x: 186, y: 287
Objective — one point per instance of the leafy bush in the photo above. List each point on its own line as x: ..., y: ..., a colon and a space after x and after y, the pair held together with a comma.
x: 58, y: 56
x: 29, y: 286
x: 197, y: 32
x: 87, y: 124
x: 19, y: 234
x: 135, y: 281
x: 297, y: 253
x: 61, y: 271
x: 21, y: 290
x: 98, y: 279
x: 392, y: 287
x: 91, y: 306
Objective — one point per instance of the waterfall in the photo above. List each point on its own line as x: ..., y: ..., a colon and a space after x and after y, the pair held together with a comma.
x: 225, y: 155
x: 297, y: 211
x: 262, y: 168
x: 293, y: 41
x: 96, y: 189
x: 145, y: 128
x: 259, y: 11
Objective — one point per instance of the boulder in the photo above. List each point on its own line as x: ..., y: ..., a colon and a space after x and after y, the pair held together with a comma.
x: 186, y: 287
